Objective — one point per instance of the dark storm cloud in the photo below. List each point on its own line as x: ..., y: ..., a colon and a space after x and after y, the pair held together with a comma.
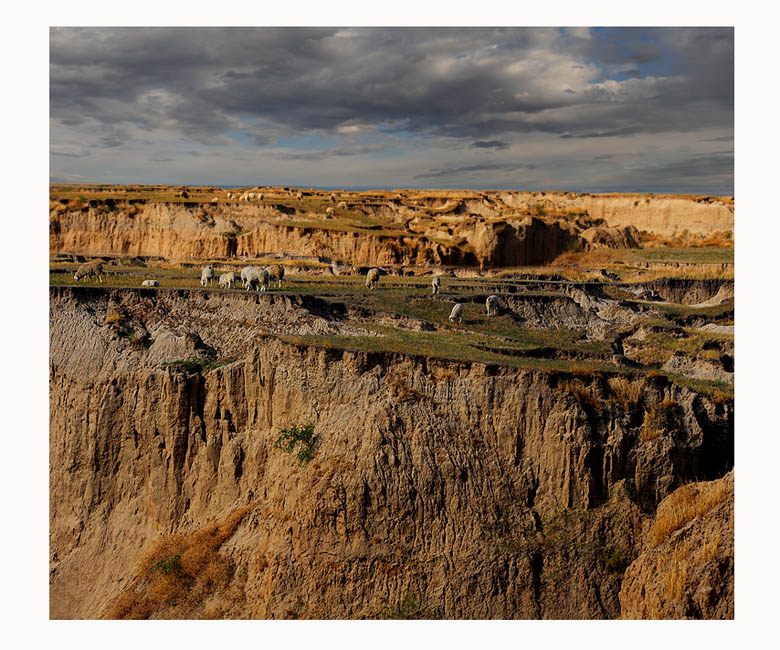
x: 706, y: 174
x: 201, y: 82
x: 725, y: 138
x: 327, y: 153
x: 490, y: 144
x: 489, y: 167
x: 699, y: 166
x: 276, y: 99
x: 111, y: 141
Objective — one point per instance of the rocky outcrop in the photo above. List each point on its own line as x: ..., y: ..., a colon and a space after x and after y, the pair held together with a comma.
x: 470, y: 490
x: 516, y: 229
x: 686, y: 566
x: 625, y: 237
x: 661, y: 215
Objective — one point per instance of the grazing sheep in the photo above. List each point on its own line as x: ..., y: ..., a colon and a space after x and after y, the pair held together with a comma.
x: 257, y: 277
x: 332, y: 198
x: 88, y: 269
x: 260, y: 196
x: 436, y: 284
x: 372, y: 278
x: 251, y: 196
x: 342, y: 205
x: 457, y: 312
x: 230, y: 195
x: 299, y: 195
x: 150, y: 283
x: 227, y: 280
x: 329, y: 211
x: 276, y: 271
x: 207, y: 275
x: 492, y: 305
x: 245, y: 274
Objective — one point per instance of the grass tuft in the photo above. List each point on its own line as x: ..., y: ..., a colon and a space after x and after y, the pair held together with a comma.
x: 182, y: 571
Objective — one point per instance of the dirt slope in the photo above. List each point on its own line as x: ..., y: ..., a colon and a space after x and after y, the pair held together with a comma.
x: 446, y: 489
x: 686, y: 568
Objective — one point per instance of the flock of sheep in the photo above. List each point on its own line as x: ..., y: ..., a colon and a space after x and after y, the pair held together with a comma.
x: 260, y: 278
x: 250, y: 276
x: 372, y: 280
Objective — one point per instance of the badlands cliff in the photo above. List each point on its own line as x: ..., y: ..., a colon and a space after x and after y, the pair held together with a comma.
x: 435, y: 488
x: 489, y: 229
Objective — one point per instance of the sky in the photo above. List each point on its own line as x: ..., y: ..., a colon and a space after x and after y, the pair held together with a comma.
x: 579, y: 109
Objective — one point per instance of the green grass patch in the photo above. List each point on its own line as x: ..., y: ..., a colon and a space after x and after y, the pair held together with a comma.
x: 717, y: 390
x: 688, y: 255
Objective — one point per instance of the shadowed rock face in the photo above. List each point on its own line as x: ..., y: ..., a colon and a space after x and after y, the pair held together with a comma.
x: 478, y: 491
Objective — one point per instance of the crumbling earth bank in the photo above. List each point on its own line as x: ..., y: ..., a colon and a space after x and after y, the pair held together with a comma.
x: 453, y: 490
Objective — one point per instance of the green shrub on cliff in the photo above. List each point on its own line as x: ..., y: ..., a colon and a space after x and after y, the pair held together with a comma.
x: 297, y: 440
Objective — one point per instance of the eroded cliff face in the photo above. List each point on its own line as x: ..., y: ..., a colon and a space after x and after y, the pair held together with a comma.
x: 662, y: 215
x: 479, y: 491
x: 686, y: 566
x: 505, y: 235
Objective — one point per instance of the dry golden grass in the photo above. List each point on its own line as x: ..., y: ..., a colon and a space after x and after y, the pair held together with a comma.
x: 113, y: 318
x: 676, y: 575
x: 708, y: 550
x: 657, y: 420
x: 183, y: 570
x: 626, y: 393
x: 684, y: 272
x: 689, y: 502
x: 581, y: 393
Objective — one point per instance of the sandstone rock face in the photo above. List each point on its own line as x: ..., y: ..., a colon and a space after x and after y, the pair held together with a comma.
x: 625, y: 237
x: 488, y: 236
x: 474, y: 491
x: 686, y: 566
x: 662, y: 215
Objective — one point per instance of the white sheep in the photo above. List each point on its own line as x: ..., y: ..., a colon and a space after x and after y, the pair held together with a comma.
x: 492, y: 305
x: 230, y: 195
x: 257, y: 277
x: 260, y: 196
x: 227, y: 280
x: 299, y: 195
x: 342, y: 205
x: 207, y: 275
x: 276, y: 272
x: 436, y: 284
x: 372, y: 278
x: 457, y: 312
x: 245, y: 273
x: 329, y: 211
x: 89, y: 269
x: 251, y: 196
x: 150, y: 283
